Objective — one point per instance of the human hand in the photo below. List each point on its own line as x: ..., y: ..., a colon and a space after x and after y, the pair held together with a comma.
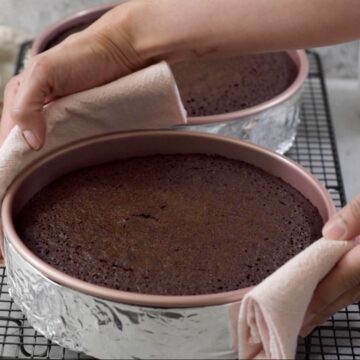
x: 341, y: 287
x: 140, y: 32
x: 95, y: 56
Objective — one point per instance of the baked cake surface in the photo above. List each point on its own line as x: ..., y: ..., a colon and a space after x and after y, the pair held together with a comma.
x: 169, y: 224
x: 212, y: 87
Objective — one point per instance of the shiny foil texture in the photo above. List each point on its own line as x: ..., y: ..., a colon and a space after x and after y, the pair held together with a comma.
x: 274, y: 128
x: 110, y: 330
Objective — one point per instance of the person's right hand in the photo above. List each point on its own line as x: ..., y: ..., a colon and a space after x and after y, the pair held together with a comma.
x: 95, y: 56
x: 341, y: 287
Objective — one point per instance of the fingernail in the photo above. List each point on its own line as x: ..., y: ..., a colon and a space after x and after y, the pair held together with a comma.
x: 31, y: 139
x: 335, y: 229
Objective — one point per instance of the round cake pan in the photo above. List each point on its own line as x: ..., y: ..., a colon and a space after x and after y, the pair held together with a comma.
x: 272, y: 123
x: 108, y: 323
x: 79, y: 19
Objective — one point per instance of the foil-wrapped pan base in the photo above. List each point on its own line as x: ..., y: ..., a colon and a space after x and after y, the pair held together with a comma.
x: 274, y: 128
x: 109, y: 330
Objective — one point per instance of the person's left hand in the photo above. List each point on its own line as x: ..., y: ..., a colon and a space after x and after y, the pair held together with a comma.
x: 103, y: 52
x: 341, y: 287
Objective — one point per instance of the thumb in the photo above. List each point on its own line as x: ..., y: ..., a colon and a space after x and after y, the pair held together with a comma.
x: 345, y: 225
x: 26, y: 106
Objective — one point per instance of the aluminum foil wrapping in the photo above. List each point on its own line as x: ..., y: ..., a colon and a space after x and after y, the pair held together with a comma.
x: 109, y: 330
x: 274, y: 128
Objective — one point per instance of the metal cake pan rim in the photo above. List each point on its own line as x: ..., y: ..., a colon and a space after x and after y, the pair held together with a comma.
x: 61, y: 278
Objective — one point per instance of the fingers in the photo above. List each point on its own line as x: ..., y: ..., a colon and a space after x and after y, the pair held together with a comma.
x: 338, y: 289
x: 7, y: 123
x: 25, y: 96
x: 85, y: 60
x: 27, y: 106
x: 349, y: 297
x: 58, y: 72
x: 345, y: 225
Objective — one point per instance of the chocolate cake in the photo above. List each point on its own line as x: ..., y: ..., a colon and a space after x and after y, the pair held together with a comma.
x: 220, y: 86
x: 169, y: 224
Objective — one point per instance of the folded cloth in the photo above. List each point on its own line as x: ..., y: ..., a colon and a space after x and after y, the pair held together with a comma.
x: 147, y: 99
x: 272, y: 313
x: 10, y: 40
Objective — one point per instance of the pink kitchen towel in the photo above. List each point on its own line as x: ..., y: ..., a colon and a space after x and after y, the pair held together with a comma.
x: 272, y: 313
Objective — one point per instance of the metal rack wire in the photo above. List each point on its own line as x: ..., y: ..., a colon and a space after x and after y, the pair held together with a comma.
x: 314, y: 148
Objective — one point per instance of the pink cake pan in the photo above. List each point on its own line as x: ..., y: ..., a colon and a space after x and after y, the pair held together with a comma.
x: 111, y: 324
x: 272, y: 124
x: 78, y: 19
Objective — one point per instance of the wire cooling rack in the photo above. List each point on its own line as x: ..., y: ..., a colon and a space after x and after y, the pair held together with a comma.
x: 314, y: 148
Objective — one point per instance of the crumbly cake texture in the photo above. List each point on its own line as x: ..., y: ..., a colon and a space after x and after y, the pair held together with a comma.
x: 220, y: 86
x: 169, y: 224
